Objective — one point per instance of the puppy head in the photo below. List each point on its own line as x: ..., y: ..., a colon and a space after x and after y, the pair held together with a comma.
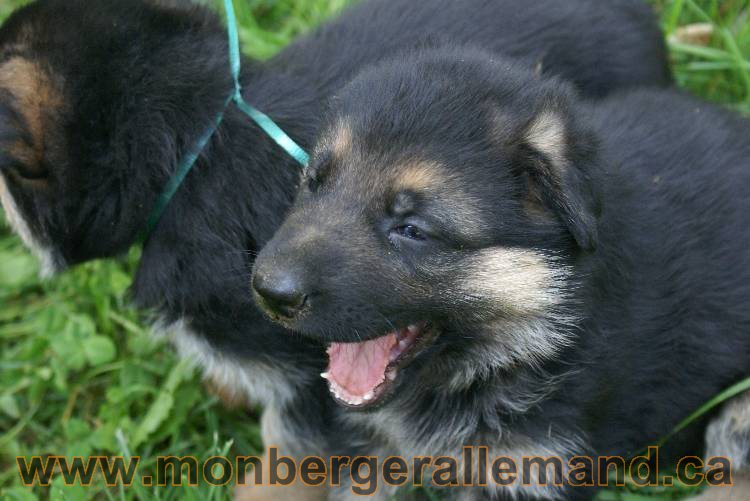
x: 93, y: 97
x: 440, y: 215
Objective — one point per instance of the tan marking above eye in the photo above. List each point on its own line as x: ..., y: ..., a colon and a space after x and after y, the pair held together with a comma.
x: 36, y: 98
x: 447, y: 196
x: 418, y: 175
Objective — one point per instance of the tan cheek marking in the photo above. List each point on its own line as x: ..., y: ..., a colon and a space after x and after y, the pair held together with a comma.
x: 519, y: 281
x: 35, y: 97
x: 547, y: 135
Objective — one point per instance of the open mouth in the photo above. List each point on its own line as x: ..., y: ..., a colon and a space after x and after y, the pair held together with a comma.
x: 360, y: 375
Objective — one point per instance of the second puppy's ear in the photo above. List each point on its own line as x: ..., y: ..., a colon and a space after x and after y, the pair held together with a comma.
x: 31, y: 108
x: 554, y: 155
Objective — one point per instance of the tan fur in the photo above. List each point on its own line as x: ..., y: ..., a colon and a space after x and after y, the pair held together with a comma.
x: 519, y: 293
x: 547, y: 135
x: 341, y: 141
x: 519, y: 281
x: 429, y: 179
x: 228, y: 394
x: 256, y: 383
x: 418, y: 176
x: 274, y: 436
x: 35, y: 97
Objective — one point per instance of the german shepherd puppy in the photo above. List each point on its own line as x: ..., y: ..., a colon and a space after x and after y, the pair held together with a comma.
x: 100, y: 101
x: 493, y: 261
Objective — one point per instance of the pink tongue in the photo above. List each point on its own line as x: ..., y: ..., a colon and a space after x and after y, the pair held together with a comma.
x: 360, y: 367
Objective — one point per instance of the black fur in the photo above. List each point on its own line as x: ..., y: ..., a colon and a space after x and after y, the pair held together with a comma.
x: 639, y: 204
x: 140, y: 83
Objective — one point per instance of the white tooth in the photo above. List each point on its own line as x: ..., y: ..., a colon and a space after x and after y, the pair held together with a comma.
x: 368, y: 396
x: 391, y: 375
x: 325, y: 375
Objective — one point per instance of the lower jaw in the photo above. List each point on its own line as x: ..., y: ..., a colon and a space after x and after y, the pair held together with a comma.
x: 380, y: 394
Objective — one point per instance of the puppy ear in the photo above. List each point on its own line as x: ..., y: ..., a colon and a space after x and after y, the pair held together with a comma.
x: 554, y: 155
x: 30, y: 105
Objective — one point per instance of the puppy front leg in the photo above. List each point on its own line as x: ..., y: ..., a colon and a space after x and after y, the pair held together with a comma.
x: 739, y: 491
x: 280, y: 434
x: 294, y: 492
x: 729, y: 436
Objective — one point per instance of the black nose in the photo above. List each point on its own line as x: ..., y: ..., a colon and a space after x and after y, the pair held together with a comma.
x: 281, y: 293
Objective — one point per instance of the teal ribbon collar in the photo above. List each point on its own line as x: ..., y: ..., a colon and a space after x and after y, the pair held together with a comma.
x: 261, y: 119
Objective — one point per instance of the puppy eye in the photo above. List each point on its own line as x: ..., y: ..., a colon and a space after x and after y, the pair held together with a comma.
x: 310, y: 179
x: 313, y: 184
x: 410, y: 231
x: 317, y: 172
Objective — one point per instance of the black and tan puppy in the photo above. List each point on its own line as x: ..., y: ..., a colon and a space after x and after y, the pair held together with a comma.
x: 100, y: 101
x: 492, y: 261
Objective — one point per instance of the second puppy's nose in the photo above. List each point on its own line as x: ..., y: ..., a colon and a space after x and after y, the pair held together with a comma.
x: 282, y: 293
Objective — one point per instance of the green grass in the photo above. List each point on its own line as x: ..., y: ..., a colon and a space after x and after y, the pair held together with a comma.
x: 79, y: 372
x: 720, y: 71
